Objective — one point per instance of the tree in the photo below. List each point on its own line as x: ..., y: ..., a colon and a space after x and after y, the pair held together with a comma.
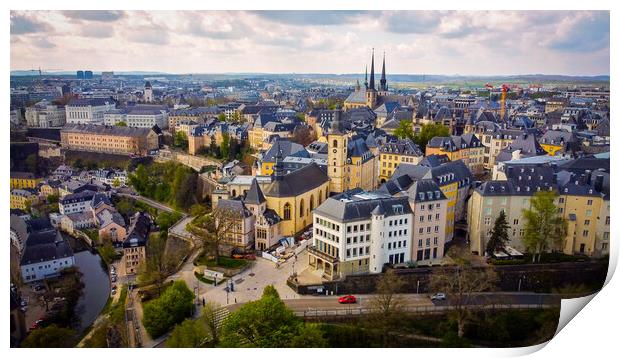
x: 221, y: 117
x: 404, y: 130
x: 303, y: 135
x: 172, y: 307
x: 215, y: 228
x: 499, y: 234
x: 310, y: 335
x: 209, y: 317
x: 225, y: 145
x: 459, y: 283
x: 157, y: 265
x: 121, y: 124
x: 428, y: 132
x: 180, y: 140
x: 544, y: 227
x: 267, y: 323
x: 116, y: 183
x: 189, y: 334
x: 32, y: 162
x: 51, y: 336
x: 386, y: 304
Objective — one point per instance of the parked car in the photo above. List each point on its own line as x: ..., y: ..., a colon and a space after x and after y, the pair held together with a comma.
x: 37, y: 324
x: 347, y: 299
x: 113, y: 278
x: 113, y: 291
x: 439, y: 296
x: 38, y: 288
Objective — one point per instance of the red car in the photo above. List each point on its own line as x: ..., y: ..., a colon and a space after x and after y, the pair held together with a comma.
x: 347, y: 299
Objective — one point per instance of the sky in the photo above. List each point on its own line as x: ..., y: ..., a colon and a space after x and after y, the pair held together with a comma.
x: 415, y: 42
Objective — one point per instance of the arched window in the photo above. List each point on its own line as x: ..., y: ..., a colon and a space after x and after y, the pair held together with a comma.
x: 335, y: 143
x: 320, y: 196
x: 234, y: 193
x: 311, y: 202
x: 287, y: 211
x: 301, y: 208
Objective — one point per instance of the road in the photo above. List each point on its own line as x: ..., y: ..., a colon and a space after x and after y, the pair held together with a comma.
x: 309, y: 303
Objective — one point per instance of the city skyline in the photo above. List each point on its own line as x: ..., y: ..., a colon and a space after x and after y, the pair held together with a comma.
x: 468, y: 43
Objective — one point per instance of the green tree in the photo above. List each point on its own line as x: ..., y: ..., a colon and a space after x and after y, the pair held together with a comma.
x: 51, y: 336
x: 116, y: 183
x: 310, y: 335
x: 181, y: 141
x: 266, y: 323
x: 225, y: 146
x: 121, y: 124
x: 499, y: 234
x: 544, y: 227
x: 189, y: 334
x: 404, y: 130
x: 428, y: 132
x: 221, y: 117
x: 32, y: 162
x: 172, y: 307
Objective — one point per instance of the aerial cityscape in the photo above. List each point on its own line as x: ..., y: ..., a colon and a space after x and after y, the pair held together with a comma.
x: 341, y: 179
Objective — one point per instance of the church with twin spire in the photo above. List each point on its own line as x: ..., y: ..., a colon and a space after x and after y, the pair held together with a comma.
x: 369, y: 95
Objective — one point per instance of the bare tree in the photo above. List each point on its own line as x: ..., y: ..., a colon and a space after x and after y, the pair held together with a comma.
x: 157, y: 265
x: 216, y: 228
x: 387, y: 305
x: 460, y: 283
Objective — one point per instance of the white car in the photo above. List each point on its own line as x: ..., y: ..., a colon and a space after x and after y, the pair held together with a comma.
x: 438, y: 297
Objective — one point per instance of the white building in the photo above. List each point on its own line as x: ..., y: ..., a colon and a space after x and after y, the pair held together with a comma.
x: 359, y: 233
x: 76, y: 203
x: 88, y: 111
x: 46, y: 254
x: 112, y: 117
x: 45, y: 115
x: 147, y: 118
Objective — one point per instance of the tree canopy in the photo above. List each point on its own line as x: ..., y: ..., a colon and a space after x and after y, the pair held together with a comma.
x: 170, y: 182
x: 172, y: 307
x: 268, y: 323
x: 51, y: 336
x: 428, y: 132
x: 545, y: 228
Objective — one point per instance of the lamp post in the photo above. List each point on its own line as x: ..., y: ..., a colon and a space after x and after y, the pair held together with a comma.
x: 417, y: 290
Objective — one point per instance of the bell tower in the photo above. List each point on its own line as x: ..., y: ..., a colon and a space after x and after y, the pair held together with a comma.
x: 336, y: 155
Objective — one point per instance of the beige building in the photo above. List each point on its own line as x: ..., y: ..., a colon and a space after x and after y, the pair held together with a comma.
x: 109, y: 139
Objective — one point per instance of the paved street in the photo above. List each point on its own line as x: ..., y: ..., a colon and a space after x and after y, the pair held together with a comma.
x: 249, y: 284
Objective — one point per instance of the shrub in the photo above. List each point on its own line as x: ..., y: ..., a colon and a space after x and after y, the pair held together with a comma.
x: 172, y: 307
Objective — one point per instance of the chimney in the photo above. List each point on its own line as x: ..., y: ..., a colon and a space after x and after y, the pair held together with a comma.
x: 598, y: 183
x: 587, y: 177
x: 555, y: 178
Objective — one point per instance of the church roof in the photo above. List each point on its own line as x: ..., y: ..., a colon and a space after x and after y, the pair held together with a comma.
x: 357, y: 96
x: 298, y: 182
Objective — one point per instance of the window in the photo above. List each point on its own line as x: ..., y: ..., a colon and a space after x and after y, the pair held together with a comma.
x: 589, y: 202
x: 428, y: 242
x: 561, y: 200
x: 586, y: 222
x: 487, y: 211
x: 585, y: 232
x: 588, y: 212
x: 419, y: 243
x: 287, y: 211
x: 487, y: 221
x: 515, y: 221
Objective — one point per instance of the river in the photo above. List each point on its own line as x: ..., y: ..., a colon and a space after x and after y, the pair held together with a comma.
x: 96, y: 287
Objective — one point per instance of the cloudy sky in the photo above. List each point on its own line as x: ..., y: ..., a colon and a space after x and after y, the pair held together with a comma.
x: 416, y: 42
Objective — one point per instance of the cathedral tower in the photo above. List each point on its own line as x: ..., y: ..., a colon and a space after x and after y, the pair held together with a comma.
x: 383, y: 87
x: 371, y: 92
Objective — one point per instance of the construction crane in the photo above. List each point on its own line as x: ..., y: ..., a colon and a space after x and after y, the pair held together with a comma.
x: 42, y: 71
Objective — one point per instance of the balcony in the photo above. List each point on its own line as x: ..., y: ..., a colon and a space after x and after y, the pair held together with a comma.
x: 321, y: 255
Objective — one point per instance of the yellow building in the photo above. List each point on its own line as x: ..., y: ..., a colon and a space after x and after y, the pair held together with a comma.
x: 493, y: 138
x: 24, y: 180
x: 293, y: 196
x: 22, y: 198
x: 554, y: 142
x: 394, y: 153
x: 580, y: 201
x: 109, y: 139
x: 466, y: 147
x: 350, y: 162
x: 285, y: 148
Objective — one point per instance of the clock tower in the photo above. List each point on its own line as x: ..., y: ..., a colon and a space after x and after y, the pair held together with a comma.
x: 336, y: 155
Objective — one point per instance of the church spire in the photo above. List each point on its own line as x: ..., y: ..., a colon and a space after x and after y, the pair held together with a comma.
x: 366, y: 78
x: 383, y: 81
x: 372, y: 70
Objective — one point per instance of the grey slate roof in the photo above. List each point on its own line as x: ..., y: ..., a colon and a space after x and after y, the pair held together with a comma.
x: 255, y: 194
x: 235, y: 206
x: 298, y: 182
x: 44, y: 246
x: 401, y: 146
x: 139, y: 230
x: 345, y: 209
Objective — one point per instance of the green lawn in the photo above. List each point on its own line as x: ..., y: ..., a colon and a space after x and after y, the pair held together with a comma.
x: 225, y: 262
